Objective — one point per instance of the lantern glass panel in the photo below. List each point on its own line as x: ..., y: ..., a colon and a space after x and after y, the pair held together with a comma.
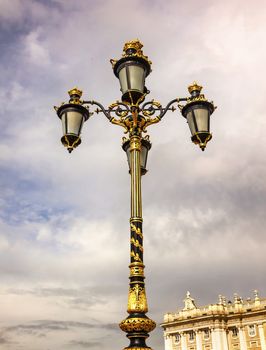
x: 143, y: 156
x: 123, y: 79
x: 136, y: 76
x: 198, y: 120
x: 132, y: 77
x: 191, y: 123
x: 128, y: 156
x: 63, y: 120
x: 72, y: 122
x: 202, y: 118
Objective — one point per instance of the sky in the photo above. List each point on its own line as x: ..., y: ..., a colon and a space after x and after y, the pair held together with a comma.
x: 64, y: 218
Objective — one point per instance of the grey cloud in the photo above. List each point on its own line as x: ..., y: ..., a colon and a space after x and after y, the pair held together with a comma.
x: 85, y: 344
x: 3, y: 340
x: 47, y: 292
x: 94, y: 292
x: 80, y: 298
x: 48, y: 325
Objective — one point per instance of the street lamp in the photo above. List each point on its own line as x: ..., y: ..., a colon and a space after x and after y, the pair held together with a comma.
x: 135, y: 115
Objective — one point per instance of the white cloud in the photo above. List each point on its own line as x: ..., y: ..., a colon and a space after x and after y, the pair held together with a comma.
x: 3, y: 243
x: 35, y: 50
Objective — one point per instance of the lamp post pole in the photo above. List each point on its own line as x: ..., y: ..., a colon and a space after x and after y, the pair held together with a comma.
x: 137, y: 325
x: 135, y: 115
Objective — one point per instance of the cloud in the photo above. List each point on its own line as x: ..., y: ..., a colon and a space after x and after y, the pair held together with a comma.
x: 46, y: 330
x: 20, y: 12
x: 76, y: 298
x: 48, y: 325
x: 84, y: 344
x: 3, y: 340
x: 36, y: 52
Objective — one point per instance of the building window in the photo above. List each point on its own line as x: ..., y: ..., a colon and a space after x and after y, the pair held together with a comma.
x: 177, y: 338
x: 206, y: 334
x: 234, y: 332
x: 252, y: 330
x: 253, y: 344
x: 191, y: 335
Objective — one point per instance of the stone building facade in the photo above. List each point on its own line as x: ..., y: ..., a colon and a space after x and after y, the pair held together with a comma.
x: 227, y: 325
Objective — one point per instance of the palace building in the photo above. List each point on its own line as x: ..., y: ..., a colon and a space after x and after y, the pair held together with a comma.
x: 228, y: 325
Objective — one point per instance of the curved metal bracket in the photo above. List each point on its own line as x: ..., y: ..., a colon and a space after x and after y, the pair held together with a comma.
x: 119, y: 108
x: 152, y: 112
x: 100, y: 109
x: 167, y: 108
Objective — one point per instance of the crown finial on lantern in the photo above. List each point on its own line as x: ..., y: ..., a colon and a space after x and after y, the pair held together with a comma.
x: 75, y: 92
x: 133, y: 46
x: 194, y: 87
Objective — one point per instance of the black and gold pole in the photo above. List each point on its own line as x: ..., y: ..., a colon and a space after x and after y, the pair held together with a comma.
x: 137, y: 325
x: 135, y: 115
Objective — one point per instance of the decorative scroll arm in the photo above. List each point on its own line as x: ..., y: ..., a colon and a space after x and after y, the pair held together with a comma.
x: 154, y: 112
x: 119, y: 108
x: 102, y: 109
x: 150, y: 108
x: 167, y: 108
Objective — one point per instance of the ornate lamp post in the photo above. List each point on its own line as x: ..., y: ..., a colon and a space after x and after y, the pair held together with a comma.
x: 135, y: 115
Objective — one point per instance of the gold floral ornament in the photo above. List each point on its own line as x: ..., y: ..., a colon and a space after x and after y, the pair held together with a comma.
x: 135, y: 256
x: 137, y: 301
x: 136, y: 244
x: 137, y: 230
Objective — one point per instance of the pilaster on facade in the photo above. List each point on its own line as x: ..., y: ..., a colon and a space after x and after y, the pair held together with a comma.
x: 219, y: 339
x: 198, y: 339
x: 225, y: 339
x: 242, y: 339
x: 214, y: 339
x: 183, y: 341
x: 262, y: 336
x: 237, y: 325
x: 168, y: 341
